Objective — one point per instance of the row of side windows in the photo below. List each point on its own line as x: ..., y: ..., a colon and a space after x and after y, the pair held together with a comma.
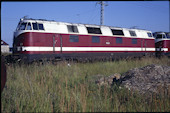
x: 75, y: 38
x: 93, y: 30
x: 74, y: 29
x: 119, y: 40
x: 96, y: 39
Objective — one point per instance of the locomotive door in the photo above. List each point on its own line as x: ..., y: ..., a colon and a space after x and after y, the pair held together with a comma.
x: 143, y: 45
x: 57, y: 43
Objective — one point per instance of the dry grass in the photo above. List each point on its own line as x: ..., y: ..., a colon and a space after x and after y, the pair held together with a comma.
x: 60, y: 88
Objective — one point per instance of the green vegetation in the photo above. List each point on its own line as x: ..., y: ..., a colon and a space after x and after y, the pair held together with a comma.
x: 63, y: 88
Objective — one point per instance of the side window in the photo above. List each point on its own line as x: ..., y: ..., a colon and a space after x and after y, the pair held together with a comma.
x: 117, y: 32
x: 72, y: 28
x: 74, y: 38
x: 94, y: 30
x: 29, y: 26
x: 134, y: 41
x: 40, y: 27
x: 22, y: 26
x: 35, y: 27
x: 168, y: 35
x: 132, y: 33
x: 119, y: 40
x: 164, y: 36
x: 149, y: 34
x: 95, y: 39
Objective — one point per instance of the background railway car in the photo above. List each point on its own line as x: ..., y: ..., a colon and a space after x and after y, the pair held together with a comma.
x: 162, y: 43
x: 36, y: 39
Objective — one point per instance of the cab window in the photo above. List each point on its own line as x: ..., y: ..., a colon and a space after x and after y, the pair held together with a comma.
x: 18, y: 25
x: 35, y: 27
x: 29, y: 26
x: 22, y: 26
x: 168, y: 35
x: 149, y: 34
x: 159, y: 36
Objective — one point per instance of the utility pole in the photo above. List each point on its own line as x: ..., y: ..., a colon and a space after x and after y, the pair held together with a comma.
x: 102, y: 12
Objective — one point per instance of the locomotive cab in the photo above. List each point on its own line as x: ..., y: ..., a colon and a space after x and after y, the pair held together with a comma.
x: 25, y: 26
x: 162, y: 35
x: 23, y: 35
x: 28, y: 25
x: 162, y: 43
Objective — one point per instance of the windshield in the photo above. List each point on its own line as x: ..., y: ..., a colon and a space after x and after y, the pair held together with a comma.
x: 18, y: 25
x: 22, y: 26
x: 168, y: 35
x: 29, y: 26
x: 159, y: 36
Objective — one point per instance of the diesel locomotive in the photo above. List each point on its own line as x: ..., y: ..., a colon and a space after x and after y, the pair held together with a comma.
x: 162, y: 43
x: 37, y: 39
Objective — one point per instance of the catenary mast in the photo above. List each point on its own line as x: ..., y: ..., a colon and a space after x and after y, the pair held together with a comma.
x: 102, y: 12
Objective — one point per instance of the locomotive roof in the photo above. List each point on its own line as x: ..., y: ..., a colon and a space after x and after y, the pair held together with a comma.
x: 51, y: 26
x: 161, y: 32
x: 78, y: 24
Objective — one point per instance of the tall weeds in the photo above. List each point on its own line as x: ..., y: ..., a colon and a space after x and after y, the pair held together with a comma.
x: 63, y: 88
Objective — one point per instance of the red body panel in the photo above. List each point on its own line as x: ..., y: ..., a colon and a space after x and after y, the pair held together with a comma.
x: 163, y: 44
x: 36, y: 39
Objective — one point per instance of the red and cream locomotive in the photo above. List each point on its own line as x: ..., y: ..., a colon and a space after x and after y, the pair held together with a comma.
x: 162, y: 43
x: 36, y: 39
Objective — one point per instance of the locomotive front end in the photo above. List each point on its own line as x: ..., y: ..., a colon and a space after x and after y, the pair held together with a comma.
x: 22, y: 38
x: 162, y: 43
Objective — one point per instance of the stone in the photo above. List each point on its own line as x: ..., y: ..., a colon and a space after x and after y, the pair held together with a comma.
x: 108, y: 80
x: 148, y: 79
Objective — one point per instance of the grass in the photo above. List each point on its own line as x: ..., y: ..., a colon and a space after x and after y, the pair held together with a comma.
x: 63, y: 88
